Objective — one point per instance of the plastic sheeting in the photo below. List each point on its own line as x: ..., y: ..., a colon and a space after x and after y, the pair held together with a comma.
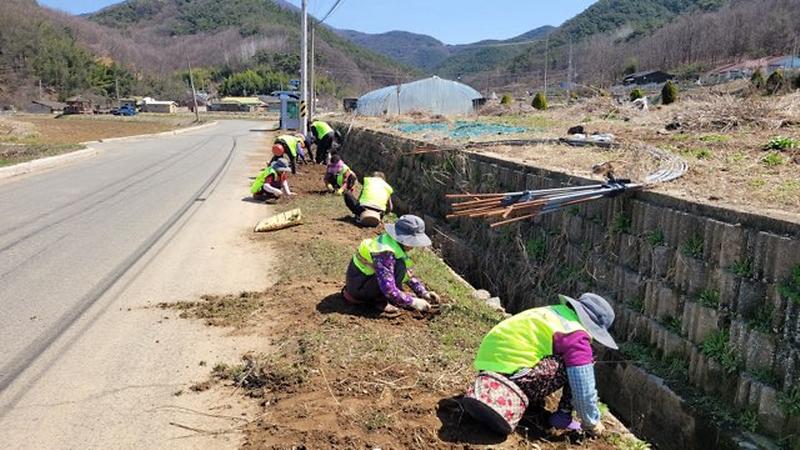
x: 460, y: 129
x: 431, y: 95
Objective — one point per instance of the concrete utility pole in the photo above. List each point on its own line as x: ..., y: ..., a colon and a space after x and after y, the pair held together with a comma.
x: 312, y: 109
x: 546, y: 63
x: 194, y: 92
x: 304, y: 70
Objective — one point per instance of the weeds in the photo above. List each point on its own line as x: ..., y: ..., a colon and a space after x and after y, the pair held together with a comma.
x: 789, y: 401
x: 782, y: 143
x: 766, y: 375
x: 790, y: 289
x: 621, y: 442
x: 621, y: 224
x: 693, y: 247
x: 377, y: 421
x: 655, y: 238
x: 748, y: 420
x: 742, y: 268
x: 674, y: 368
x: 718, y: 347
x: 762, y: 321
x: 709, y: 298
x: 673, y: 324
x: 637, y: 304
x: 537, y: 248
x: 715, y: 138
x: 773, y: 159
x: 698, y: 153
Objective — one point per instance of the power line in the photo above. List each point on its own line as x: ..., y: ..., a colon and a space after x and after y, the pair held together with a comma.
x: 330, y: 11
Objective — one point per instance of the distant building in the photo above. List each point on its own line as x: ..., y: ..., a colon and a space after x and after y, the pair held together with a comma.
x: 783, y: 63
x: 150, y: 105
x: 46, y: 107
x: 79, y: 105
x: 647, y: 77
x: 237, y: 104
x: 272, y: 103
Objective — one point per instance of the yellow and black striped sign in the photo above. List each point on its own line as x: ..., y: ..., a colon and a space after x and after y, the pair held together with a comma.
x: 303, y: 109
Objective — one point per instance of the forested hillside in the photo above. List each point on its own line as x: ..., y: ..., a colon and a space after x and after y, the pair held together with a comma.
x: 143, y: 47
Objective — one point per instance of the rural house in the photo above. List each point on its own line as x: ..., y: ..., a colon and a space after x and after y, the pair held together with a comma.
x: 157, y: 106
x: 46, y: 107
x: 237, y: 104
x: 79, y: 105
x: 647, y: 77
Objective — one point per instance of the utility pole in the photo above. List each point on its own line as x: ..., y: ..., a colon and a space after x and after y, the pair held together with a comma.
x: 312, y: 109
x: 41, y: 92
x: 569, y: 74
x: 304, y: 70
x: 194, y: 92
x: 546, y: 63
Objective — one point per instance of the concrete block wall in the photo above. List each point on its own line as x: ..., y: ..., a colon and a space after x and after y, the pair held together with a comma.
x: 682, y: 276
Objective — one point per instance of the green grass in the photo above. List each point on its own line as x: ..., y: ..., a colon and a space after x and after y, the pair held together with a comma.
x: 698, y: 152
x: 709, y: 298
x: 693, y: 247
x: 627, y: 442
x: 715, y: 138
x: 718, y: 347
x: 637, y: 304
x: 762, y: 321
x: 673, y: 324
x: 773, y: 159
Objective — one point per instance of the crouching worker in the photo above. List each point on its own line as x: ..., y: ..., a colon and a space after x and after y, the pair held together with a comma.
x: 324, y: 136
x: 287, y: 146
x: 375, y: 200
x: 381, y: 266
x: 339, y: 177
x: 272, y: 182
x: 533, y: 354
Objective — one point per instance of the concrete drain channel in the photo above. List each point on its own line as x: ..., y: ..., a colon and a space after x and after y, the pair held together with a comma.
x: 705, y: 296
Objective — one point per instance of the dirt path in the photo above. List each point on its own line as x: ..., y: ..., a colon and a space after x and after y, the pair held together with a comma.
x: 119, y: 377
x: 337, y: 376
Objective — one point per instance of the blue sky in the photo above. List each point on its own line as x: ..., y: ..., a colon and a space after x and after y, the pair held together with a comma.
x: 451, y: 21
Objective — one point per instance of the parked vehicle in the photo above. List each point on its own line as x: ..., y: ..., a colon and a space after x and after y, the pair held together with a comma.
x: 125, y: 110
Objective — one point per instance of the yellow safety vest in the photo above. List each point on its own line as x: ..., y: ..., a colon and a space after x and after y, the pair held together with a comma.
x: 382, y: 244
x: 255, y: 188
x: 341, y: 174
x: 523, y: 340
x: 291, y: 142
x: 321, y: 129
x: 375, y: 193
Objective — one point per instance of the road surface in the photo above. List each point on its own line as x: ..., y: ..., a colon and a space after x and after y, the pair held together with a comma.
x: 85, y: 251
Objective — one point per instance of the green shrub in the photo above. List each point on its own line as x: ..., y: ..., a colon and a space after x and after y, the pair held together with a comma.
x: 742, y: 268
x: 775, y: 82
x: 655, y: 238
x: 757, y: 79
x: 781, y: 143
x: 693, y: 247
x: 669, y: 93
x: 790, y: 401
x: 709, y: 298
x: 539, y: 101
x: 718, y: 347
x: 506, y: 100
x: 773, y: 159
x: 790, y: 289
x: 636, y: 94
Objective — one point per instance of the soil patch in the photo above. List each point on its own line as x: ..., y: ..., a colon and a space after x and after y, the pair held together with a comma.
x: 339, y: 376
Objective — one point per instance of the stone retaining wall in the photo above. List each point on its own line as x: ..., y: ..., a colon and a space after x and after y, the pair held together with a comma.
x: 706, y: 290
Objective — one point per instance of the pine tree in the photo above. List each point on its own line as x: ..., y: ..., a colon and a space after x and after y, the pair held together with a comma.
x: 775, y: 82
x: 757, y: 79
x: 669, y: 93
x: 539, y: 101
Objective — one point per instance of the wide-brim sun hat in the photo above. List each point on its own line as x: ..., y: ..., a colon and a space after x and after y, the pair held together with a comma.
x: 596, y: 315
x: 281, y: 166
x: 409, y: 230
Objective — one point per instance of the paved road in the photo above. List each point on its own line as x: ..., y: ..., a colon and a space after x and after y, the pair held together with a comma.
x: 83, y: 249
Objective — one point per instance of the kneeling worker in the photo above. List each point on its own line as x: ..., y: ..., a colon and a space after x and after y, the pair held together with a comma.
x: 375, y: 200
x: 272, y: 182
x: 381, y: 266
x: 286, y: 145
x: 339, y: 177
x: 542, y: 350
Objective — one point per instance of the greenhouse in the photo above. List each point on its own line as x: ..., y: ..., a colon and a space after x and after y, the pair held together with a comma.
x: 431, y: 95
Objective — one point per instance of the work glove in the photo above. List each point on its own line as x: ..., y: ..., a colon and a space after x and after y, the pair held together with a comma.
x: 596, y: 431
x: 563, y: 421
x: 420, y: 305
x: 330, y: 187
x: 340, y: 191
x: 433, y: 297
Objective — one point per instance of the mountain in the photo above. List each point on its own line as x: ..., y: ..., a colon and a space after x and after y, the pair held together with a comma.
x: 433, y: 56
x: 416, y: 50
